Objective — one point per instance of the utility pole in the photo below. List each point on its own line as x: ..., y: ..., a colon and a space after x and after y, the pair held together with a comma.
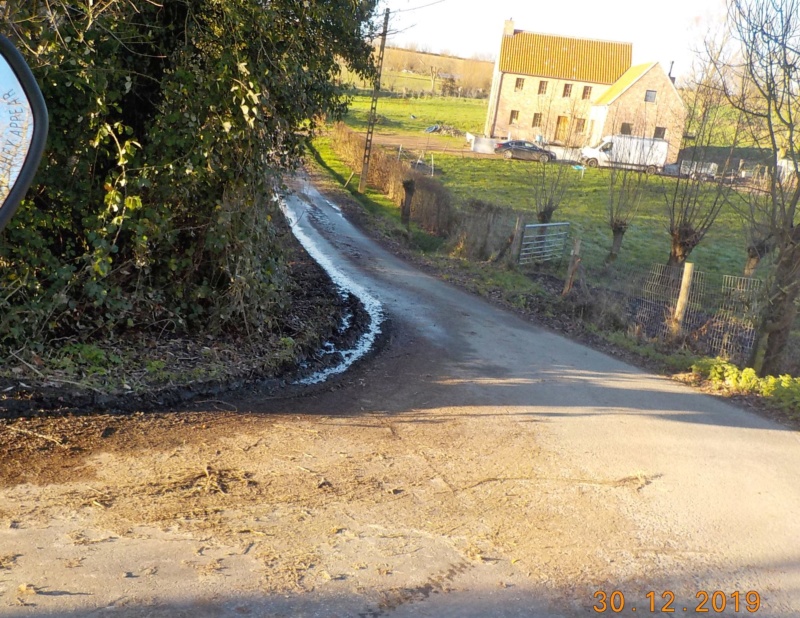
x: 362, y: 183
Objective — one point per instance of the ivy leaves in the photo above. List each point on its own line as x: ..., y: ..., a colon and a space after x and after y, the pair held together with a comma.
x: 171, y: 123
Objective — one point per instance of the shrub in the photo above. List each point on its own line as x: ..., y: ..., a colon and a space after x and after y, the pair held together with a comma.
x: 169, y: 126
x: 784, y: 390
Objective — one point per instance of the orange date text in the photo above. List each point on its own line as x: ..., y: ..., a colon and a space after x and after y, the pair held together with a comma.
x: 704, y: 602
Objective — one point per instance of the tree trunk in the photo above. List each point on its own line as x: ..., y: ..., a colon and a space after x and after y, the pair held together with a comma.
x: 683, y: 238
x: 778, y: 316
x: 677, y: 255
x: 545, y: 215
x: 753, y: 259
x: 616, y: 244
x: 755, y: 252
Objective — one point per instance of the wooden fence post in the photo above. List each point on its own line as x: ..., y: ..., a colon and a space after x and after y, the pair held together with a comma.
x: 516, y: 243
x: 574, y: 262
x: 683, y: 299
x: 409, y: 186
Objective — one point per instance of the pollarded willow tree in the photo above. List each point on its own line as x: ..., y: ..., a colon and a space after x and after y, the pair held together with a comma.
x: 548, y: 185
x: 626, y: 189
x: 765, y: 87
x: 170, y: 124
x: 754, y: 204
x: 692, y: 203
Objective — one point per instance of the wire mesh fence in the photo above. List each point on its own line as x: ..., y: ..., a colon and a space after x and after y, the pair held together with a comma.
x: 716, y: 315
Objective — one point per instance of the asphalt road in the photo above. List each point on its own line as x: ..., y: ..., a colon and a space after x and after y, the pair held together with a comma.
x: 720, y: 486
x: 488, y: 468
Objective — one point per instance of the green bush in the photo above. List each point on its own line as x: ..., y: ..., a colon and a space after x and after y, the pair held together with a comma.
x: 170, y: 124
x: 784, y: 390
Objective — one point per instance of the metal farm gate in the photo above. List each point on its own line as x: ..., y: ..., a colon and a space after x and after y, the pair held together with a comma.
x: 543, y: 242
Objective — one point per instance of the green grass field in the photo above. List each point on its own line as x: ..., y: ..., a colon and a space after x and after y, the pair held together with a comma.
x: 395, y: 81
x: 506, y: 183
x: 413, y: 116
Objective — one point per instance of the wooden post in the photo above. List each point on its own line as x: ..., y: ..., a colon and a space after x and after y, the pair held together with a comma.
x: 516, y: 244
x: 512, y: 247
x: 683, y: 298
x: 405, y: 213
x: 574, y: 262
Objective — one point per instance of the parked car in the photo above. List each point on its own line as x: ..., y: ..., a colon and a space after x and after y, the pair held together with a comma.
x: 520, y: 149
x: 699, y: 170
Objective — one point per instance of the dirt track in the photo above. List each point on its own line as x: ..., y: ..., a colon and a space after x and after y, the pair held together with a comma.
x: 477, y: 466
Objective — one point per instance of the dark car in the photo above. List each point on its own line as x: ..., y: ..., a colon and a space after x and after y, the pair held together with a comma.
x: 520, y: 149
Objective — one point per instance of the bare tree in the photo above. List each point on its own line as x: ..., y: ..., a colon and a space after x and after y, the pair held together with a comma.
x: 754, y: 204
x: 626, y: 188
x: 692, y: 202
x: 765, y: 87
x: 434, y: 75
x: 549, y: 184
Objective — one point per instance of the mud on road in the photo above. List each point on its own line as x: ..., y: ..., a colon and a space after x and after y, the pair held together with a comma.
x: 233, y: 509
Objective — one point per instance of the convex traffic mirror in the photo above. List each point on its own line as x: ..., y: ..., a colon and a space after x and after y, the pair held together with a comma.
x: 23, y: 128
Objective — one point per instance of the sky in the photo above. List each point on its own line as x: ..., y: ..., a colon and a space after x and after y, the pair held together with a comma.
x: 660, y: 31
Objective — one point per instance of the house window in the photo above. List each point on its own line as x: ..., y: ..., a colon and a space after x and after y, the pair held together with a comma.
x: 537, y: 120
x: 660, y: 132
x: 520, y: 84
x: 542, y: 87
x: 567, y: 90
x: 580, y: 125
x: 587, y: 92
x: 650, y: 96
x: 514, y: 118
x: 626, y: 128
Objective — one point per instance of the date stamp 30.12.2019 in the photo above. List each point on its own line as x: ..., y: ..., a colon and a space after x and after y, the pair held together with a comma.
x: 704, y: 602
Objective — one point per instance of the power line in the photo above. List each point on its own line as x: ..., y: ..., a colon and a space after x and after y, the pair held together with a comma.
x: 416, y: 8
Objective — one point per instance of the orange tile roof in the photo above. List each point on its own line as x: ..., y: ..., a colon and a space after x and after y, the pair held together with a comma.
x: 559, y: 57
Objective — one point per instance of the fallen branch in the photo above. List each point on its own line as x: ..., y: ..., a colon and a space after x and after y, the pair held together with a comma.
x: 28, y: 365
x: 26, y: 432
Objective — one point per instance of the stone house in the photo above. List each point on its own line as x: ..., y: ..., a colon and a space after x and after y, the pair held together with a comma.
x: 573, y: 92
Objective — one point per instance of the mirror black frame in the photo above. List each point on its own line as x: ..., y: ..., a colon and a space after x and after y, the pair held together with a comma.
x: 40, y: 124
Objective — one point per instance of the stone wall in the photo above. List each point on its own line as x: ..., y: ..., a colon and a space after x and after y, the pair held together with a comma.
x: 666, y: 111
x: 551, y: 105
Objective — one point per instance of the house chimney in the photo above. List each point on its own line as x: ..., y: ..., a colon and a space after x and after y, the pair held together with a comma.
x: 508, y: 28
x: 671, y: 64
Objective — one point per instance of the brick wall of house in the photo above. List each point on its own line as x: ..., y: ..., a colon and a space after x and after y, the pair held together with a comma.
x: 666, y: 112
x: 526, y: 101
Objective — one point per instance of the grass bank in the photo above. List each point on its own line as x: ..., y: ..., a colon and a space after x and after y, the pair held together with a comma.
x: 539, y: 298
